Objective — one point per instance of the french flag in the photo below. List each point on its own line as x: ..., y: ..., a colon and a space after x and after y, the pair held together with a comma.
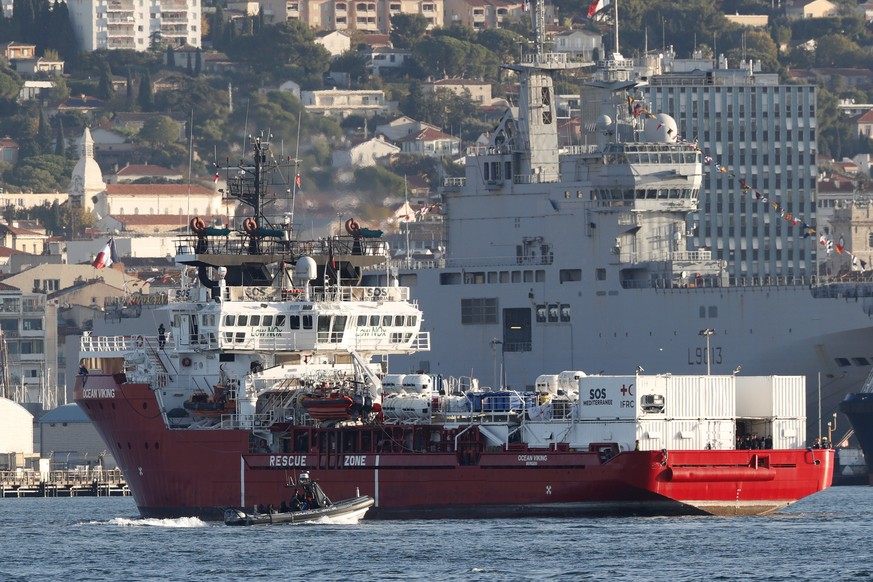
x: 106, y: 256
x: 596, y: 7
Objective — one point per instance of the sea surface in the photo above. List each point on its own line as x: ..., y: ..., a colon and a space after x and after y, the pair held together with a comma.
x: 826, y: 537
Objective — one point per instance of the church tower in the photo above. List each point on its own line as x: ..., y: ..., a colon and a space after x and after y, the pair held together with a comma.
x: 87, y: 189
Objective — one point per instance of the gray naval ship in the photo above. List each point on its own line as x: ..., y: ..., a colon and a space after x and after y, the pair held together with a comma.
x: 578, y: 258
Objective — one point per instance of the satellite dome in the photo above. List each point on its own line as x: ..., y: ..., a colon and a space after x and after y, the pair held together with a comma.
x: 660, y: 128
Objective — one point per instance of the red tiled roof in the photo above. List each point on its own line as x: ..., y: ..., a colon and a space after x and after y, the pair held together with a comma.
x: 19, y: 231
x: 146, y: 170
x: 427, y: 134
x: 157, y: 219
x: 162, y: 189
x: 8, y: 252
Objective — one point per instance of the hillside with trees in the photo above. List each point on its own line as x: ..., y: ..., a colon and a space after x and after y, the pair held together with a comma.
x: 220, y: 109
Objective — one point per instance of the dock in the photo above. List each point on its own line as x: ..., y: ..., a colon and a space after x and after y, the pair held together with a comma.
x: 91, y: 482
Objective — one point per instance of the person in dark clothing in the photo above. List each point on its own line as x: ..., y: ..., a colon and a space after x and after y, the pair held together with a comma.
x: 162, y: 336
x: 83, y: 372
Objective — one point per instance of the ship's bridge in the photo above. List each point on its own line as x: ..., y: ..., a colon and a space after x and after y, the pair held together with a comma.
x: 378, y: 320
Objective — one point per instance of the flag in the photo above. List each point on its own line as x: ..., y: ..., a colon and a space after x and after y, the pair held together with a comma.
x: 822, y: 240
x: 596, y: 7
x: 863, y: 266
x: 215, y: 178
x: 839, y: 248
x: 525, y: 6
x: 297, y: 180
x: 854, y: 261
x: 106, y: 256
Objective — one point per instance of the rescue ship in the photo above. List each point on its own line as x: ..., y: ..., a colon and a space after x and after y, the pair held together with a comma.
x: 276, y: 364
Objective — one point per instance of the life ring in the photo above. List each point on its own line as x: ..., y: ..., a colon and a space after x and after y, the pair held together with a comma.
x: 186, y: 362
x: 140, y: 341
x: 352, y: 227
x: 197, y: 225
x: 250, y: 226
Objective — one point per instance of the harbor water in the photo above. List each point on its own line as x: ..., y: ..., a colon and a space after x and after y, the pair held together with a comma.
x: 823, y: 537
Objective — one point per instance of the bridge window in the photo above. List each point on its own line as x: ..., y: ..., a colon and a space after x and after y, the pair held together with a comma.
x: 256, y: 320
x: 307, y: 322
x: 362, y: 320
x: 268, y: 320
x: 387, y: 320
x: 294, y: 322
x: 243, y: 320
x: 399, y: 320
x: 229, y: 320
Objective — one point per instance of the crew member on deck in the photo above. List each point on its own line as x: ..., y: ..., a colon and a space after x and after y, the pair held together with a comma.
x: 83, y: 372
x: 162, y: 336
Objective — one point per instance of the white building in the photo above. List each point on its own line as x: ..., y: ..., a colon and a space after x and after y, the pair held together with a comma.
x: 342, y: 103
x: 16, y: 428
x: 336, y: 41
x: 764, y: 133
x: 134, y: 25
x: 364, y: 154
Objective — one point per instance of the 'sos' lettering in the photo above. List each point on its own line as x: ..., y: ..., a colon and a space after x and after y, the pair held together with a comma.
x: 597, y: 394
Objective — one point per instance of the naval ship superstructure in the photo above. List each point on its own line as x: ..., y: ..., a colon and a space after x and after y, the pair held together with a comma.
x: 578, y: 258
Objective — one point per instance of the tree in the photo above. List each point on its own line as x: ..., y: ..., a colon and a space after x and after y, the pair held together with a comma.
x: 10, y: 84
x: 41, y: 173
x: 171, y: 56
x: 353, y: 63
x: 105, y: 89
x: 129, y: 85
x: 159, y: 131
x: 61, y: 36
x: 379, y: 182
x: 835, y: 50
x: 293, y: 52
x: 504, y: 43
x: 450, y: 57
x: 146, y: 96
x: 407, y: 29
x: 60, y: 139
x: 198, y: 62
x: 43, y: 132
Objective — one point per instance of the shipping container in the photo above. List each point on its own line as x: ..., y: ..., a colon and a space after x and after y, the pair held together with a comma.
x: 652, y: 435
x: 771, y: 396
x: 789, y: 433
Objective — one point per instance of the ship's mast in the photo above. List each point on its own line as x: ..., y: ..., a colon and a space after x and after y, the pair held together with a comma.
x: 536, y: 158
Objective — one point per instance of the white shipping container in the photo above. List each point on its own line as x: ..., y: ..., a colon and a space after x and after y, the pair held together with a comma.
x: 652, y: 435
x: 719, y: 397
x: 683, y: 435
x: 789, y: 396
x: 607, y: 398
x: 771, y: 396
x: 789, y: 433
x: 701, y: 397
x: 623, y: 433
x: 719, y: 434
x: 683, y: 397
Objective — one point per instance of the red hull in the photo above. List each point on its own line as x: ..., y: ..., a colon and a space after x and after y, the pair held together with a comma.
x: 199, y: 472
